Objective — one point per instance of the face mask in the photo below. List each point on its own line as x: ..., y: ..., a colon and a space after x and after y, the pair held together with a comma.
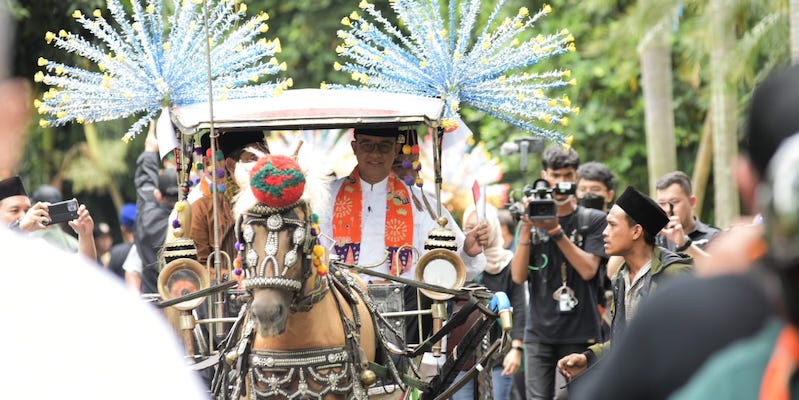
x: 590, y: 200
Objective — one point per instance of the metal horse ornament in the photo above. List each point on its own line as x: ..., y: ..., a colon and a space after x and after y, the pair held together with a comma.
x: 305, y: 333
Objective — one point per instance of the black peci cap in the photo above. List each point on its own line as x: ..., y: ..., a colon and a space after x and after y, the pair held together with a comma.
x: 12, y: 187
x: 380, y: 132
x: 643, y: 210
x: 230, y: 141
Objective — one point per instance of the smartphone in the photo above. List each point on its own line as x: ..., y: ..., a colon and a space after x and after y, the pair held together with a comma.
x: 63, y: 211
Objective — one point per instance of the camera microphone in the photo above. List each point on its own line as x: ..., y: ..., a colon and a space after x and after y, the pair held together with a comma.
x: 524, y: 150
x: 508, y: 148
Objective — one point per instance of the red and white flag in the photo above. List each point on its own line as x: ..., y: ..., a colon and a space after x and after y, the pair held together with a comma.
x: 479, y: 200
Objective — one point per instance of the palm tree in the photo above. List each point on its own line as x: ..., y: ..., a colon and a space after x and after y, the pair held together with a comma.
x: 724, y: 112
x: 654, y: 51
x: 794, y: 16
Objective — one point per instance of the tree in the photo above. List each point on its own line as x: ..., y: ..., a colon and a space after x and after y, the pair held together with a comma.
x: 654, y: 51
x: 724, y: 117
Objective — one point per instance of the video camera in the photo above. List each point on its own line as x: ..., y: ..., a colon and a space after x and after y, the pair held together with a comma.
x: 541, y: 205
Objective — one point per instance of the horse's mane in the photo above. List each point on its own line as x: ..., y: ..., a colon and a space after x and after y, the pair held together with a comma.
x: 316, y: 192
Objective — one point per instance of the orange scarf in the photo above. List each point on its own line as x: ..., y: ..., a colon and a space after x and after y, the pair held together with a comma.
x: 781, y: 367
x: 347, y: 222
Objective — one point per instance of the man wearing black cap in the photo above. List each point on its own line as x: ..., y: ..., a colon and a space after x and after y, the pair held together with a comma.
x: 237, y: 151
x: 17, y: 212
x: 370, y: 185
x: 14, y: 204
x: 633, y: 223
x: 371, y: 214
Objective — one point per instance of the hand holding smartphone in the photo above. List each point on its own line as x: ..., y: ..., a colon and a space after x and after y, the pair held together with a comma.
x: 63, y: 211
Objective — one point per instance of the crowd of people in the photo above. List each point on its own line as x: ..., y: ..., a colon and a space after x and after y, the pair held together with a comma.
x: 614, y: 297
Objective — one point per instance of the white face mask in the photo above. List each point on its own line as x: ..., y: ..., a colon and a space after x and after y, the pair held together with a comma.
x: 241, y: 174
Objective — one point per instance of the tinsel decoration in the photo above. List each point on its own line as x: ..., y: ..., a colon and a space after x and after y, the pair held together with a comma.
x: 144, y: 61
x: 447, y: 56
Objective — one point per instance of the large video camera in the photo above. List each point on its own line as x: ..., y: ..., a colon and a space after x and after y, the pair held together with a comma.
x: 541, y: 205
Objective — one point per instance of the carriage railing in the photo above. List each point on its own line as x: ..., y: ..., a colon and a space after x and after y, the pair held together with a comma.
x: 444, y: 384
x: 441, y: 385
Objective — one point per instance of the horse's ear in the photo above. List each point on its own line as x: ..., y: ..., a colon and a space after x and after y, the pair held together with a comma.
x: 296, y: 154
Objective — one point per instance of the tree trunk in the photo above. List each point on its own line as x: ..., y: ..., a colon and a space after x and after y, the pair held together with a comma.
x: 656, y: 76
x: 724, y: 108
x: 794, y: 22
x: 702, y: 165
x: 6, y: 34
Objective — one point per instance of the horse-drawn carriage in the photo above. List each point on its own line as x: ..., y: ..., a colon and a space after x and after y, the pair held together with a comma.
x: 336, y: 335
x: 151, y: 63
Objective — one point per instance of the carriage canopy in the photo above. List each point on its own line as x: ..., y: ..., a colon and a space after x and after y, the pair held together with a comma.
x: 311, y: 109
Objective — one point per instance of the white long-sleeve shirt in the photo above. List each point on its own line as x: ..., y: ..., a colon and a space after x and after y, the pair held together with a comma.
x: 373, y: 229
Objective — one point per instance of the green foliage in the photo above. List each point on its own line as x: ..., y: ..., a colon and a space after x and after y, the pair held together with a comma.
x: 610, y: 127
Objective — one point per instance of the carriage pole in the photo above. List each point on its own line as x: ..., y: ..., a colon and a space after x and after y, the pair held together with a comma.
x: 216, y: 309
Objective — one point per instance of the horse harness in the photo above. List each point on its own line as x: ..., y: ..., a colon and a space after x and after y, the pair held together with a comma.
x: 294, y: 374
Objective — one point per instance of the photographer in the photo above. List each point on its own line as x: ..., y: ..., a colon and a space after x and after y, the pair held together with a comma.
x: 559, y: 256
x: 17, y: 213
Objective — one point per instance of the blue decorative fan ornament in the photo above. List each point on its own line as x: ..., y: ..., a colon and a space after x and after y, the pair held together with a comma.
x: 448, y: 57
x: 149, y: 61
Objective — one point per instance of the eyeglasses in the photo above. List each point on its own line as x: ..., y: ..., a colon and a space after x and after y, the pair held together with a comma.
x: 381, y: 147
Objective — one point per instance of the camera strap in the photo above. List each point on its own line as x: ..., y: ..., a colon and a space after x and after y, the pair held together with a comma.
x: 563, y: 287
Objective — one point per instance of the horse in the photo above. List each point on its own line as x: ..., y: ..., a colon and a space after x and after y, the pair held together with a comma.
x: 305, y: 332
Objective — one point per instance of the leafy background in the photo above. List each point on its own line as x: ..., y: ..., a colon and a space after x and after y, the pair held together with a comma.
x: 90, y: 162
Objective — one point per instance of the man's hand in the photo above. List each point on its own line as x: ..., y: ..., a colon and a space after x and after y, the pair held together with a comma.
x: 572, y: 365
x: 37, y: 218
x: 83, y: 225
x: 674, y: 231
x: 476, y: 239
x: 151, y: 142
x: 542, y: 224
x: 512, y: 362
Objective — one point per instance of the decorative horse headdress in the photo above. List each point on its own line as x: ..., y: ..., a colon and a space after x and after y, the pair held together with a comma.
x: 277, y: 184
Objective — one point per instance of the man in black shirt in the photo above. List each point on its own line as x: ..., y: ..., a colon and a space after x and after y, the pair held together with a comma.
x: 684, y: 231
x: 559, y: 258
x: 156, y: 195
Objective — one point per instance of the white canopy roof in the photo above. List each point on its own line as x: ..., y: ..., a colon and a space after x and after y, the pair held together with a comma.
x: 311, y: 109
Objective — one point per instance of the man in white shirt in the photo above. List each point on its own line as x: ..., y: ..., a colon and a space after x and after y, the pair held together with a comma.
x: 371, y: 215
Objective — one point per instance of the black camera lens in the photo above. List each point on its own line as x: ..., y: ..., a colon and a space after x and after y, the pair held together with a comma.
x: 542, y: 209
x: 590, y: 200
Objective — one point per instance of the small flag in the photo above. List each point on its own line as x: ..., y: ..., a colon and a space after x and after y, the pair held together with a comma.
x: 479, y: 200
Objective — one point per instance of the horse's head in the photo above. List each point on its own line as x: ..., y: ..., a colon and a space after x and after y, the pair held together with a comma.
x: 276, y: 243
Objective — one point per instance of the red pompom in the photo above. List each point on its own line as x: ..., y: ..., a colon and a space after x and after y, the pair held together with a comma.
x: 277, y: 181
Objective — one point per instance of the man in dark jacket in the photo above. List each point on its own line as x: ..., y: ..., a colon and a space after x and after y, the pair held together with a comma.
x: 156, y: 194
x: 633, y: 223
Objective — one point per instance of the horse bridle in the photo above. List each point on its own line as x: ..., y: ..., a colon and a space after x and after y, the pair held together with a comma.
x: 275, y: 221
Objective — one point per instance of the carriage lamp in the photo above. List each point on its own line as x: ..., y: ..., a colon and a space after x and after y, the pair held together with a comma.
x: 440, y: 266
x: 180, y: 277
